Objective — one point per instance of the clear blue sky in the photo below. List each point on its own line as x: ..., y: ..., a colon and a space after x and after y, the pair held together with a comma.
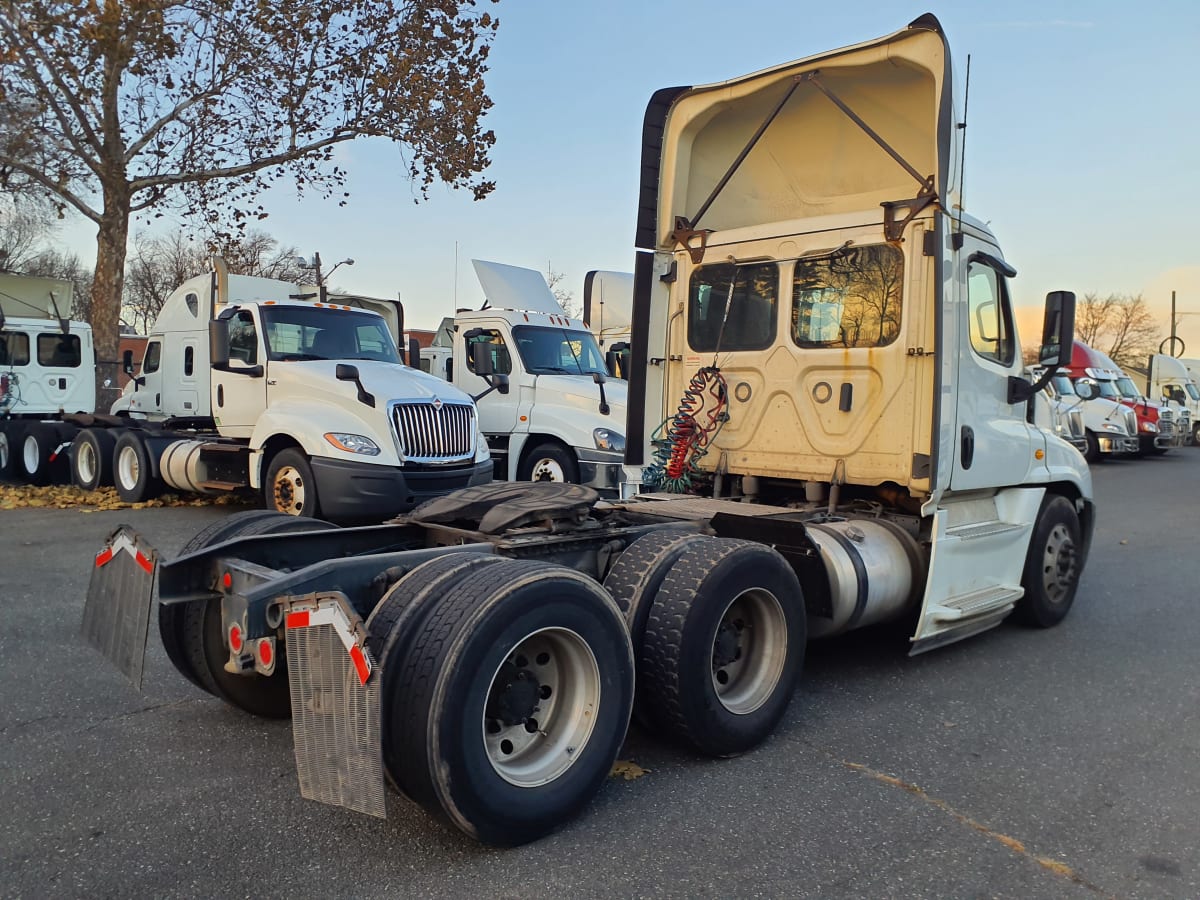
x: 1082, y: 146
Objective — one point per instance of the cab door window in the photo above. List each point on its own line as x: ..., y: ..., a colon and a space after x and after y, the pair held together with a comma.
x: 14, y: 348
x: 153, y: 357
x: 989, y: 314
x: 243, y: 338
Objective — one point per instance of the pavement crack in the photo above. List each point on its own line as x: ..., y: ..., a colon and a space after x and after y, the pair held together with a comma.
x: 1054, y: 866
x: 133, y: 713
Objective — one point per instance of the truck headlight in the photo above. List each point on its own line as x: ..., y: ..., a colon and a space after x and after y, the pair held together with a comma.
x: 1110, y: 426
x: 1150, y: 427
x: 607, y: 439
x: 353, y: 443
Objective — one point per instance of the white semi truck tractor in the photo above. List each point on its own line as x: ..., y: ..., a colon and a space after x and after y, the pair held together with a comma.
x: 829, y: 428
x: 253, y: 383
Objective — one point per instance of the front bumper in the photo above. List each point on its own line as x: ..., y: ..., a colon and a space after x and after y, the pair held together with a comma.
x: 353, y: 491
x: 1117, y: 443
x: 601, y: 469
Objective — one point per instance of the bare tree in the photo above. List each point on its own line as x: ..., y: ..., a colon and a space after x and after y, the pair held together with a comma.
x: 27, y: 220
x: 1119, y: 325
x: 158, y: 265
x: 123, y: 107
x: 565, y: 298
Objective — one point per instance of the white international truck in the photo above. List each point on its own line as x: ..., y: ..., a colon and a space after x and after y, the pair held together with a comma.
x: 253, y: 383
x: 830, y: 429
x: 539, y: 380
x: 47, y: 372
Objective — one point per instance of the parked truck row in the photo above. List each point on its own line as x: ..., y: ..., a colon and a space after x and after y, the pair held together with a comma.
x: 827, y: 426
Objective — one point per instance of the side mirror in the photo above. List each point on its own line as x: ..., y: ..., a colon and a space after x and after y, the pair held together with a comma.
x: 599, y: 377
x: 1087, y: 389
x: 1058, y: 342
x: 1058, y: 329
x: 346, y: 372
x: 481, y: 359
x: 1178, y: 396
x: 127, y: 363
x: 218, y: 343
x: 500, y: 382
x: 414, y: 352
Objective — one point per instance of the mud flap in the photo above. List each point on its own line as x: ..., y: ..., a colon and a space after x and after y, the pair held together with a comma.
x: 335, y: 704
x: 116, y: 614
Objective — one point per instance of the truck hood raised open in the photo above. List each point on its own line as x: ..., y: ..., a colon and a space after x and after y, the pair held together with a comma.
x: 813, y: 158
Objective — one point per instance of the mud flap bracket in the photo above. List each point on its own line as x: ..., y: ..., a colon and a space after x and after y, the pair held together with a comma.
x: 116, y: 613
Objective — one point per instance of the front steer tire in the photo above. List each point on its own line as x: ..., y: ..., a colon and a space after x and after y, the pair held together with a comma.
x: 1053, y: 565
x: 524, y: 626
x: 723, y: 647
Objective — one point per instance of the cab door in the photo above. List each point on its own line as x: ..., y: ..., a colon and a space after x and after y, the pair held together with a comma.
x: 239, y: 395
x: 993, y: 441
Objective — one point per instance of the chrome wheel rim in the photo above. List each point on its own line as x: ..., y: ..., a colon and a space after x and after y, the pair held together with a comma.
x: 541, y: 707
x: 288, y: 490
x: 128, y: 468
x: 86, y: 464
x: 546, y: 469
x: 749, y: 651
x: 1058, y: 564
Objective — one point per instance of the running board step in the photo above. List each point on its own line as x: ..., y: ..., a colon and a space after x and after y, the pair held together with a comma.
x: 982, y: 530
x: 977, y: 603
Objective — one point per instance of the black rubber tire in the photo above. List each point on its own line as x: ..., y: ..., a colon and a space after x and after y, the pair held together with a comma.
x: 675, y: 691
x: 443, y: 685
x: 399, y: 616
x: 551, y: 451
x: 633, y: 583
x: 10, y: 448
x: 170, y: 618
x: 40, y: 445
x: 279, y: 502
x: 132, y: 475
x: 203, y: 641
x: 1037, y: 608
x: 93, y: 448
x: 1093, y: 454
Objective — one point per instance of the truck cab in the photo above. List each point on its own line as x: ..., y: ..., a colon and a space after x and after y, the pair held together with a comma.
x: 607, y: 307
x: 1170, y: 382
x: 553, y: 415
x: 1155, y: 432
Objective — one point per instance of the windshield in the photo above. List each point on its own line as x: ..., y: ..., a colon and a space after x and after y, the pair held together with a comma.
x: 314, y: 332
x: 557, y: 351
x: 1127, y: 389
x: 1192, y: 390
x: 1063, y: 385
x: 1107, y: 389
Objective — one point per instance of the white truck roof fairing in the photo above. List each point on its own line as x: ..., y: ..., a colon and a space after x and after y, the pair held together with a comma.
x: 811, y: 157
x: 513, y: 287
x: 29, y: 297
x: 608, y: 301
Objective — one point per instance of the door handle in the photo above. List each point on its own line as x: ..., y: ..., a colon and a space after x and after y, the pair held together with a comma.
x: 967, y: 455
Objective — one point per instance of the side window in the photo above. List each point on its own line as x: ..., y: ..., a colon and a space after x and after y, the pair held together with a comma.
x: 193, y: 304
x: 59, y: 351
x: 751, y: 293
x: 850, y: 299
x: 14, y: 348
x: 243, y: 338
x: 189, y: 357
x: 152, y: 358
x: 988, y: 313
x: 501, y: 361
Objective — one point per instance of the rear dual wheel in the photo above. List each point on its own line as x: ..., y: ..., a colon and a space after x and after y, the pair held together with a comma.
x: 515, y: 676
x: 43, y: 457
x: 92, y: 458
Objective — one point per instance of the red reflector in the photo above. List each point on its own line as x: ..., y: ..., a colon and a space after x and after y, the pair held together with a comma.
x: 360, y: 664
x: 297, y: 620
x: 104, y: 557
x: 235, y: 639
x: 227, y: 580
x: 143, y: 561
x: 265, y: 653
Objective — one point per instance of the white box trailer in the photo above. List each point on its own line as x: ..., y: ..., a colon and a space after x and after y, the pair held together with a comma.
x: 828, y: 419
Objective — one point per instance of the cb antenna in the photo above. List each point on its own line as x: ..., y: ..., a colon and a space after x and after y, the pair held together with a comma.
x: 957, y: 240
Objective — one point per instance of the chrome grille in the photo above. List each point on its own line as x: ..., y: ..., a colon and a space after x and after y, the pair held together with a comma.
x: 433, y: 431
x: 1075, y: 420
x: 1166, y: 415
x: 1130, y: 422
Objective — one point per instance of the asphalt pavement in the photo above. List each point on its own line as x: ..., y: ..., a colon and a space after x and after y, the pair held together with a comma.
x: 1020, y: 763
